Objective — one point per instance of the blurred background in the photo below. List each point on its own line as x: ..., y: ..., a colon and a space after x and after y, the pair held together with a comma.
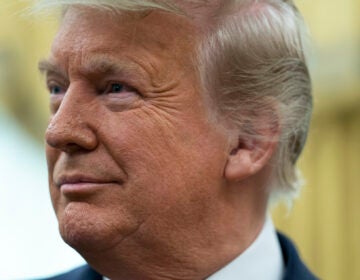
x: 324, y: 222
x: 30, y: 245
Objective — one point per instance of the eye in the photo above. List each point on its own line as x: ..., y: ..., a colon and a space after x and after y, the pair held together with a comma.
x: 55, y: 89
x: 118, y: 87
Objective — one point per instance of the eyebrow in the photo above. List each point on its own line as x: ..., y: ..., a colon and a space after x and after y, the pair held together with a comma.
x: 47, y: 67
x: 104, y: 65
x: 95, y: 64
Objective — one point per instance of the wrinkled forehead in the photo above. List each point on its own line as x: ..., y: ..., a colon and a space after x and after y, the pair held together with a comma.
x: 150, y: 39
x: 141, y: 27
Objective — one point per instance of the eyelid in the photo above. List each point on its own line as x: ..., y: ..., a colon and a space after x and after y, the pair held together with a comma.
x: 125, y: 87
x: 53, y: 79
x: 50, y: 84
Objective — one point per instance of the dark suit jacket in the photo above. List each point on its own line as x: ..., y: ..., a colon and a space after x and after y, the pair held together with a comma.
x: 294, y: 267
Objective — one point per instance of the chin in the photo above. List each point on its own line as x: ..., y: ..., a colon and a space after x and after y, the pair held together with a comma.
x: 85, y: 228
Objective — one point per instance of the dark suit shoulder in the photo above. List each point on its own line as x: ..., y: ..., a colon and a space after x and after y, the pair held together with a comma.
x: 81, y: 273
x: 295, y: 268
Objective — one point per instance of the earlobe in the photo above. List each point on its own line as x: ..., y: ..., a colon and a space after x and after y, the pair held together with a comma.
x: 248, y: 159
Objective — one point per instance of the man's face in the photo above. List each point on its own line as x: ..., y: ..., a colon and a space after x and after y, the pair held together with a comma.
x: 132, y: 155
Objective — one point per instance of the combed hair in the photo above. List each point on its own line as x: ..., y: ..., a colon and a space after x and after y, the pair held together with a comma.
x: 252, y: 65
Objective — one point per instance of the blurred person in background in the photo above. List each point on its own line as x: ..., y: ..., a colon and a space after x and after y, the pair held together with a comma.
x: 174, y: 126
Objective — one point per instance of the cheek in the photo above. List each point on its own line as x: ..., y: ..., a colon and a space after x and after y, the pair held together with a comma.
x: 150, y: 145
x: 166, y: 160
x: 165, y: 171
x: 137, y: 140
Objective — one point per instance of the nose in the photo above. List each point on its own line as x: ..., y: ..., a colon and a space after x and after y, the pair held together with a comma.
x: 70, y: 128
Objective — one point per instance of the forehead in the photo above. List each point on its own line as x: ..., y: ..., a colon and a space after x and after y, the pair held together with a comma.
x: 89, y: 29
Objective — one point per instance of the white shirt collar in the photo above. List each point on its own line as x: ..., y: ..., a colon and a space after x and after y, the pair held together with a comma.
x: 262, y: 260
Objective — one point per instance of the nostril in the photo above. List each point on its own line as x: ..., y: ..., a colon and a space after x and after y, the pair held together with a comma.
x: 72, y: 148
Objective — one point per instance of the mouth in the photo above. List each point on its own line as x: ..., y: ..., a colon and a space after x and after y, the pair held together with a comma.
x: 81, y: 184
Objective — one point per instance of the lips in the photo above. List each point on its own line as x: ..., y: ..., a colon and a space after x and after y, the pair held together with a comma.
x: 79, y: 179
x: 82, y: 184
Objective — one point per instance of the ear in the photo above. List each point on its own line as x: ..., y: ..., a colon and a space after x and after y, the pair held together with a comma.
x: 249, y: 156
